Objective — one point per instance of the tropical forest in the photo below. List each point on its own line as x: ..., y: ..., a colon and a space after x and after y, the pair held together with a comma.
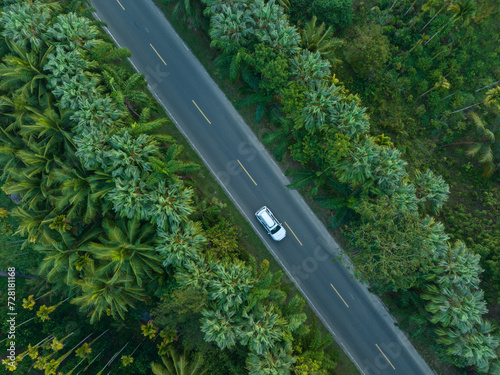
x: 128, y: 258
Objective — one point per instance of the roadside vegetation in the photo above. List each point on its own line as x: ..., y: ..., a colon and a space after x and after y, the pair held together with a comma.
x: 386, y: 116
x: 125, y: 265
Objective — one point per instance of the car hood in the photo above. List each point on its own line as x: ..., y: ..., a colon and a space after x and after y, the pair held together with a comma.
x: 279, y: 235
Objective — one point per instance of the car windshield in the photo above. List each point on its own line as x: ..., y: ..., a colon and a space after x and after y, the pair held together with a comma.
x: 276, y: 229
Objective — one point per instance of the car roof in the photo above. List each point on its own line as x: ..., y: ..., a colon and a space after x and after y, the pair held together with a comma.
x: 267, y: 218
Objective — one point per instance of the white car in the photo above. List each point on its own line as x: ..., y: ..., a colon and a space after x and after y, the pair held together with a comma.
x: 272, y: 225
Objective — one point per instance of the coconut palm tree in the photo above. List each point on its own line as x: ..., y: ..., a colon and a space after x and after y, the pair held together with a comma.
x: 278, y: 361
x: 181, y: 244
x: 463, y: 10
x: 128, y: 90
x: 177, y: 364
x: 221, y: 327
x: 65, y: 257
x: 107, y: 294
x: 342, y: 199
x: 26, y: 22
x: 74, y: 31
x: 230, y: 285
x: 309, y: 66
x: 432, y: 190
x: 280, y: 36
x: 282, y: 137
x: 262, y: 328
x: 319, y: 178
x: 319, y: 99
x: 169, y: 206
x: 487, y: 147
x: 126, y: 249
x: 475, y: 347
x: 22, y: 72
x: 316, y: 39
x: 170, y: 167
x: 233, y: 24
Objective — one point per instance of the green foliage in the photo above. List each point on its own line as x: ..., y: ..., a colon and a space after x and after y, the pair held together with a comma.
x: 369, y: 49
x: 177, y: 364
x: 391, y: 248
x: 223, y: 241
x: 456, y: 306
x: 318, y: 39
x: 487, y: 147
x: 335, y: 13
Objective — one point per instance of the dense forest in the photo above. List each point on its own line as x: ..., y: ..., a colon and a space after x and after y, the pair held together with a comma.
x: 122, y: 265
x: 387, y: 114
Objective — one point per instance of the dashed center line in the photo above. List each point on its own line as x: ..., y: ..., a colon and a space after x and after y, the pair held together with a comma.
x: 293, y: 234
x: 202, y: 113
x: 246, y: 172
x: 339, y: 295
x: 161, y: 58
x: 118, y: 1
x: 385, y: 357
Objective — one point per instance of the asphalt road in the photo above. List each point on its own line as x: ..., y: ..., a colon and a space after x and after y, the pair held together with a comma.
x: 357, y: 319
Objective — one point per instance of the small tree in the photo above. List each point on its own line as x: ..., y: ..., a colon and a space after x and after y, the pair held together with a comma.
x: 368, y: 51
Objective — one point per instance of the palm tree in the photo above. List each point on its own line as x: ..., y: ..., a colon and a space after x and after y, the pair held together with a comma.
x: 302, y: 177
x: 128, y: 90
x: 268, y: 286
x: 189, y: 10
x: 230, y: 285
x: 73, y: 30
x: 319, y: 99
x: 342, y: 199
x: 170, y: 205
x: 475, y: 347
x: 104, y: 52
x: 126, y: 249
x: 277, y: 361
x: 23, y: 72
x: 315, y: 344
x: 176, y: 364
x: 107, y: 294
x: 81, y: 7
x: 463, y: 10
x: 317, y: 39
x: 432, y: 190
x: 182, y: 244
x: 294, y: 315
x: 282, y: 137
x: 65, y: 257
x: 232, y: 25
x: 53, y: 125
x: 280, y: 36
x: 493, y: 97
x: 487, y: 148
x: 25, y: 22
x: 309, y: 66
x: 349, y: 118
x: 169, y: 167
x: 79, y: 195
x: 262, y: 328
x: 358, y: 167
x: 221, y: 327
